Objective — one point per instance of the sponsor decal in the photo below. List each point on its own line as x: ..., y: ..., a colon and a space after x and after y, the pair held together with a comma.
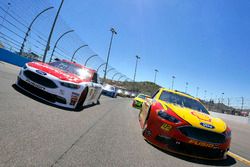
x: 207, y: 125
x: 201, y: 116
x: 34, y: 84
x: 202, y: 144
x: 48, y: 69
x: 41, y: 72
x: 74, y: 98
x: 92, y: 94
x: 166, y: 127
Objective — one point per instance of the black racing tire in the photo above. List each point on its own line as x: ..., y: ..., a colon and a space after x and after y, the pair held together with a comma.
x: 82, y: 98
x: 98, y: 102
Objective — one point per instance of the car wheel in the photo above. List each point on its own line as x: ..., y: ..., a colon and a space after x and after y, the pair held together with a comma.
x: 98, y: 102
x: 81, y: 100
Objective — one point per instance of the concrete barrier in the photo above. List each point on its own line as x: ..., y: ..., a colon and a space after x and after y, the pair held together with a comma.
x: 234, y: 118
x: 12, y: 58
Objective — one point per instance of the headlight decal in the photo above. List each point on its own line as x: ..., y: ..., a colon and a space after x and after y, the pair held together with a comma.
x: 166, y: 116
x: 70, y: 85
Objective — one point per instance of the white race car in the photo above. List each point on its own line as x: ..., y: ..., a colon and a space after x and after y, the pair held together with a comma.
x: 127, y: 93
x: 109, y: 90
x: 62, y: 83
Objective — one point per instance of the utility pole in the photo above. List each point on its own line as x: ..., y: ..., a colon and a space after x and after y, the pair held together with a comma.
x: 197, y: 91
x: 218, y: 107
x: 222, y: 94
x: 51, y: 32
x: 110, y: 44
x: 137, y: 58
x: 205, y: 93
x: 209, y: 104
x: 173, y: 78
x: 222, y: 102
x: 242, y: 103
x: 186, y: 87
x: 156, y: 71
x: 211, y: 96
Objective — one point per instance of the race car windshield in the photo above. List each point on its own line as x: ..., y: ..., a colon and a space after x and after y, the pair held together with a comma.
x: 183, y: 101
x: 71, y: 68
x: 142, y: 96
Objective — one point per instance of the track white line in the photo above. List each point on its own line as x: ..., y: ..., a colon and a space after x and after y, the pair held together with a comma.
x: 239, y: 158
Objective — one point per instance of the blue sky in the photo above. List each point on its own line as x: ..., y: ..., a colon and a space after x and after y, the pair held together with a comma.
x: 202, y: 42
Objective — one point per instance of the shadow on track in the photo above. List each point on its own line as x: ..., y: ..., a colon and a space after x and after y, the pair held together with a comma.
x: 229, y: 161
x: 47, y: 103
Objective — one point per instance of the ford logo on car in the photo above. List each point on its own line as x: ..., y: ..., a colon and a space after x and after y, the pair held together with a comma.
x: 207, y: 125
x: 40, y: 72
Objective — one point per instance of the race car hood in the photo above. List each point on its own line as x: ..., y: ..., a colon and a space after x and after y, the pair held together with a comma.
x: 198, y: 119
x: 60, y: 74
x: 139, y: 99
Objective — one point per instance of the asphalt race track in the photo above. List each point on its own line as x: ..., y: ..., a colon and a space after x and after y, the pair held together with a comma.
x: 33, y: 133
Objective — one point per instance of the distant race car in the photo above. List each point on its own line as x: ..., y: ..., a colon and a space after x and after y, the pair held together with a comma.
x: 137, y: 102
x: 127, y: 93
x: 109, y: 90
x: 133, y: 95
x: 119, y: 92
x: 179, y: 123
x: 62, y: 83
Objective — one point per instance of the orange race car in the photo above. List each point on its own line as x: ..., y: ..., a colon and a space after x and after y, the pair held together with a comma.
x: 179, y: 123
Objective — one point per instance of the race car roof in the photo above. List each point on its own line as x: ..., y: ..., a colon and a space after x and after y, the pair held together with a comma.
x: 180, y: 93
x: 78, y: 65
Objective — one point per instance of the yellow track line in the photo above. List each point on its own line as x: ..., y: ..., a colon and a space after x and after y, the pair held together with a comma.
x: 239, y: 158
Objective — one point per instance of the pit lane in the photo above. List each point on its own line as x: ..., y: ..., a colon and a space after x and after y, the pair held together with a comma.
x: 33, y: 133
